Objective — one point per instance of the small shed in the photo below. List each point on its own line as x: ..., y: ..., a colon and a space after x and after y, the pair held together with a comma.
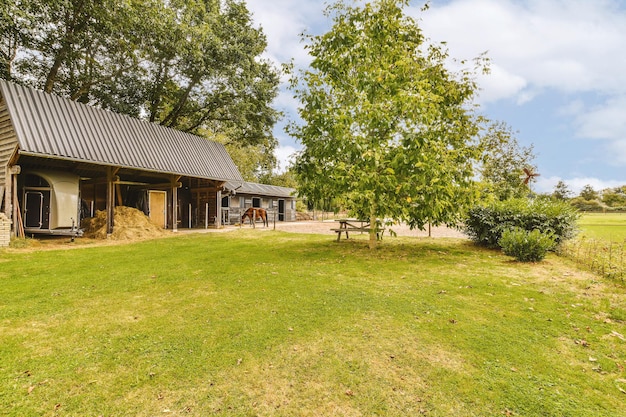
x: 60, y: 161
x: 238, y: 196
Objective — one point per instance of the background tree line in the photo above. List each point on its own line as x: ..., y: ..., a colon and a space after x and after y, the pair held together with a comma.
x: 609, y: 199
x: 192, y: 65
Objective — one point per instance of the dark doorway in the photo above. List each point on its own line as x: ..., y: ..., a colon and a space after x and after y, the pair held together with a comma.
x: 36, y: 209
x: 281, y: 210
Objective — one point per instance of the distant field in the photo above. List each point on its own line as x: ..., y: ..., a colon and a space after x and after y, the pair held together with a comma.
x: 610, y: 226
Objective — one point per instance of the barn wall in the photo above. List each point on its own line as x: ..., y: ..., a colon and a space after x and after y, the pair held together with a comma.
x: 8, y: 145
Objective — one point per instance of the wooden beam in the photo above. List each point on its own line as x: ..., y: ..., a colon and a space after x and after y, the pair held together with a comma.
x: 110, y: 208
x: 175, y: 184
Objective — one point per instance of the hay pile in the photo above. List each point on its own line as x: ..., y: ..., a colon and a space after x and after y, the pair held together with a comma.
x: 128, y: 224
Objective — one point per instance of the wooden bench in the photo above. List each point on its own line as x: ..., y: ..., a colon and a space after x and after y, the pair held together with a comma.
x: 347, y: 226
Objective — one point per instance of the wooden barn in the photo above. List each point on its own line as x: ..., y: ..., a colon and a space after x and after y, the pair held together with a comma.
x: 60, y: 161
x: 238, y: 196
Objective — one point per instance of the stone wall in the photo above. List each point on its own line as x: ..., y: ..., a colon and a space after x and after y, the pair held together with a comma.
x: 5, y: 230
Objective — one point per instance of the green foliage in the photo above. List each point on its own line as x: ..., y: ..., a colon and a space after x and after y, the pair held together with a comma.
x: 582, y: 204
x: 485, y: 224
x: 526, y: 246
x: 191, y: 65
x: 614, y: 198
x: 387, y: 127
x: 561, y: 191
x: 502, y: 164
x: 588, y: 193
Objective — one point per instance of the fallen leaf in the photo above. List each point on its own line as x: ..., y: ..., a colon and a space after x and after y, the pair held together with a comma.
x: 619, y: 336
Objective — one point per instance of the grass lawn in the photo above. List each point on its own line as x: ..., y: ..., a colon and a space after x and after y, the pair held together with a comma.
x: 263, y: 323
x: 609, y: 226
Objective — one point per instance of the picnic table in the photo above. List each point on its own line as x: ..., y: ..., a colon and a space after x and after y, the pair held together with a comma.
x: 354, y: 225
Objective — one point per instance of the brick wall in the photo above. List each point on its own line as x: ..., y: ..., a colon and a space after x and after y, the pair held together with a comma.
x: 5, y: 230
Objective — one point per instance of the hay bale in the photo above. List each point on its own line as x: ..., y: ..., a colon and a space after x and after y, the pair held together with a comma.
x: 128, y: 224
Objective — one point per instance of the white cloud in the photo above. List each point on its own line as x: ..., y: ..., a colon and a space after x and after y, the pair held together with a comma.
x: 499, y: 84
x: 567, y: 45
x: 607, y: 121
x: 282, y: 22
x: 284, y: 155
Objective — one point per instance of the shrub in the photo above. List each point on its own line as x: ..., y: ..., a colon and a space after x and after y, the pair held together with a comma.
x: 527, y: 246
x: 587, y: 205
x: 485, y: 224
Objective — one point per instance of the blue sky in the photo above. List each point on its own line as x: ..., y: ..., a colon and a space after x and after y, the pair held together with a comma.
x: 558, y: 74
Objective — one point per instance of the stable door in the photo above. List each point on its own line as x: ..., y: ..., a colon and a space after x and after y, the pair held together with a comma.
x: 157, y: 207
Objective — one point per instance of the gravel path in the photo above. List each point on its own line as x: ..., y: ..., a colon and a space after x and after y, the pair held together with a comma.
x: 323, y: 227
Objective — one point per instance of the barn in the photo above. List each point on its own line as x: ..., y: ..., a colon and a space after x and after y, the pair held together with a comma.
x: 238, y: 196
x: 61, y: 161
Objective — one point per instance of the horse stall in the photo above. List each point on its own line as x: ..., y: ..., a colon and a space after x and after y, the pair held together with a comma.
x: 49, y: 203
x: 238, y: 197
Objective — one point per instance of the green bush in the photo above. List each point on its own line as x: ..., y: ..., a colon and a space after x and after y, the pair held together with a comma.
x: 527, y: 246
x: 485, y: 224
x: 587, y: 205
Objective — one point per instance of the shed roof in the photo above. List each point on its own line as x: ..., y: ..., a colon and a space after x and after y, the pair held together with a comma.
x: 259, y: 189
x: 54, y: 127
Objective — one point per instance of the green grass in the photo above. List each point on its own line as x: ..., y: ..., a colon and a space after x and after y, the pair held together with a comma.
x: 610, y: 226
x: 259, y: 323
x: 600, y: 245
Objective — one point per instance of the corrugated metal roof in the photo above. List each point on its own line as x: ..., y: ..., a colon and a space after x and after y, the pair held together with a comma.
x: 51, y: 126
x: 259, y: 189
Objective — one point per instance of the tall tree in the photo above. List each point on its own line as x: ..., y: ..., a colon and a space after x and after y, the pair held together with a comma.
x: 588, y: 193
x: 562, y: 191
x: 193, y: 65
x: 504, y: 160
x: 387, y: 127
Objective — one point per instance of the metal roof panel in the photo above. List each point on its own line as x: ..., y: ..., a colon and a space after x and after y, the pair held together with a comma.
x: 49, y: 125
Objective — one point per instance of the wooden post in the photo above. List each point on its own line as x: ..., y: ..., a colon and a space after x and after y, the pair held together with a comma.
x: 218, y: 216
x: 110, y: 200
x: 175, y: 186
x: 14, y: 171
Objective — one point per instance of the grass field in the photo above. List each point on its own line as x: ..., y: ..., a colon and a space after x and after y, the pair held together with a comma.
x: 261, y: 323
x: 611, y: 226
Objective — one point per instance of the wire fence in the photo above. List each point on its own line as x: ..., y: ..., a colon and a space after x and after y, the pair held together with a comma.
x: 603, y: 257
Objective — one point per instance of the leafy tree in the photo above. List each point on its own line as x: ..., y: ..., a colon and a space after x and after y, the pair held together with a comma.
x: 588, y: 193
x: 387, y: 127
x: 561, y: 191
x: 193, y: 65
x: 614, y: 197
x: 253, y: 161
x: 503, y: 162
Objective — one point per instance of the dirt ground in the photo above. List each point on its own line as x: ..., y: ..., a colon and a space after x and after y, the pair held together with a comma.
x: 136, y: 231
x: 323, y: 227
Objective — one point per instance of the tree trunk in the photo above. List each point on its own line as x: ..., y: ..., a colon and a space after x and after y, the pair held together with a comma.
x: 373, y: 241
